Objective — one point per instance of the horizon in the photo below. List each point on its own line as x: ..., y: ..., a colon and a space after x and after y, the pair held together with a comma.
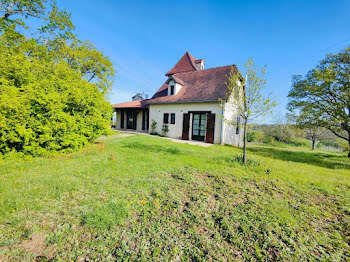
x: 144, y: 40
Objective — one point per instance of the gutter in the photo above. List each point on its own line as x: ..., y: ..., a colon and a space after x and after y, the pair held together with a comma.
x: 183, y: 102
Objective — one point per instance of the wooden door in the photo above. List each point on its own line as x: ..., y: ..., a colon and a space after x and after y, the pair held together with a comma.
x: 186, y: 127
x: 209, y: 138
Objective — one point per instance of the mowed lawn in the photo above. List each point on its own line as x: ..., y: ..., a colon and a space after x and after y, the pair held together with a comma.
x: 143, y: 198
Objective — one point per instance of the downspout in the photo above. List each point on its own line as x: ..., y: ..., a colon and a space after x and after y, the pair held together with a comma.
x: 222, y: 126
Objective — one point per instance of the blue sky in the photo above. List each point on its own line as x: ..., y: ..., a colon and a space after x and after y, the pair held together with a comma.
x: 144, y: 39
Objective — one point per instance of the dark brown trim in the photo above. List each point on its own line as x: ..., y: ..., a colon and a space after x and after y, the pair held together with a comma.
x: 166, y: 118
x: 199, y: 112
x: 184, y: 102
x: 147, y: 123
x: 171, y: 118
x: 186, y: 126
x: 122, y: 120
x: 143, y: 119
x: 210, y: 130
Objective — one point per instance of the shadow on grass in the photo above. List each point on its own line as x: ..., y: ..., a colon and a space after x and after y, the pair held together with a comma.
x: 316, y: 159
x: 153, y: 148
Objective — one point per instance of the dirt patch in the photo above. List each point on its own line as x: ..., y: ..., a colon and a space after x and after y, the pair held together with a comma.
x: 113, y: 158
x: 100, y: 146
x: 36, y: 244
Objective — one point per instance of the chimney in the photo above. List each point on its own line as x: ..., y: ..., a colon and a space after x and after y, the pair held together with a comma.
x: 200, y: 63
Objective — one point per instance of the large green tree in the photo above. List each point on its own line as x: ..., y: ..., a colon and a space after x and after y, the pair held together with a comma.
x: 323, y: 95
x: 53, y: 87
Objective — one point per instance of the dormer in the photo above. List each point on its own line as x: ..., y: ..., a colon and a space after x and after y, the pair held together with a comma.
x: 200, y: 64
x: 174, y: 85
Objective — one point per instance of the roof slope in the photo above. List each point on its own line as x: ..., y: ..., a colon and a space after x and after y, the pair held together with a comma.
x: 185, y: 64
x: 199, y: 86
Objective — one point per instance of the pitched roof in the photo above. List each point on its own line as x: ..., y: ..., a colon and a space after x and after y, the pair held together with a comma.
x: 176, y: 79
x: 199, y: 86
x: 185, y: 64
x: 132, y: 104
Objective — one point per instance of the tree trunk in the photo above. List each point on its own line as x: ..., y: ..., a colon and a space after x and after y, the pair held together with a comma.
x: 313, y: 144
x: 245, y: 142
x: 349, y: 145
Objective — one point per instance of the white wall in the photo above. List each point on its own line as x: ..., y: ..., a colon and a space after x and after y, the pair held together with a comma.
x: 157, y: 111
x: 230, y: 125
x: 118, y: 119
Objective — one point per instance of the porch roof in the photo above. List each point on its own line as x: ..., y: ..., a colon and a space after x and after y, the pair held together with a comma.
x: 132, y: 104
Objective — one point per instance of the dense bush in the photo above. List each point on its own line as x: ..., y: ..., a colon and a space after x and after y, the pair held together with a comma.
x: 52, y: 93
x: 255, y: 136
x: 302, y: 142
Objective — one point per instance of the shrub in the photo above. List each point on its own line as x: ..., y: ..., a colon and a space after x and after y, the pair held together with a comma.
x: 250, y: 137
x: 269, y: 140
x: 45, y: 104
x: 165, y: 129
x: 255, y: 136
x: 300, y: 142
x: 153, y: 127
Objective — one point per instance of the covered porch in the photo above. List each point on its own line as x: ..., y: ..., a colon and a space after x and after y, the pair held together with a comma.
x: 132, y: 116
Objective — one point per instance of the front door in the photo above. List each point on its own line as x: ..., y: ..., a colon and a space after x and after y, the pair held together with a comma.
x: 199, y: 125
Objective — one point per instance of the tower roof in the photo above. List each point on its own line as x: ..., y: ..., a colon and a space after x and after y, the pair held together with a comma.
x: 185, y: 64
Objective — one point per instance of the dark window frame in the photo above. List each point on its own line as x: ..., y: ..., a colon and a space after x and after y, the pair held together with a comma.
x: 172, y: 90
x: 238, y: 124
x: 166, y: 118
x: 172, y: 118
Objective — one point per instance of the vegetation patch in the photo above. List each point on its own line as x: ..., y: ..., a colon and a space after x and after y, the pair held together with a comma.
x: 187, y: 205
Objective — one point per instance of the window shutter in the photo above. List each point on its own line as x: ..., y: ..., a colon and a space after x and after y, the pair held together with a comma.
x: 238, y: 124
x: 209, y: 138
x: 186, y: 127
x: 166, y: 118
x: 172, y: 119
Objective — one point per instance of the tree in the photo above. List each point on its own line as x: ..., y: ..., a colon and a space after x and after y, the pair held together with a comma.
x: 53, y: 87
x: 308, y: 123
x: 323, y: 95
x: 246, y: 97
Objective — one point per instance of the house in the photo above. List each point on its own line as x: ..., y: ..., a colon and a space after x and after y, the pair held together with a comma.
x: 188, y: 103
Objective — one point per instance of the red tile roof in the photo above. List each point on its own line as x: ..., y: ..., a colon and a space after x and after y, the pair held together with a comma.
x: 132, y: 104
x: 199, y: 86
x: 176, y: 79
x: 185, y: 64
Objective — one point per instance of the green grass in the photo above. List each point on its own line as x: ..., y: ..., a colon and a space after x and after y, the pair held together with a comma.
x: 146, y: 198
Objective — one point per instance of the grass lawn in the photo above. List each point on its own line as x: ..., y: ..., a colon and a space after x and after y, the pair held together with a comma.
x: 146, y: 198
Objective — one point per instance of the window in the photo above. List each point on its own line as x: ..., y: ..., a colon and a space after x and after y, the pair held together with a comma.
x: 238, y: 124
x: 172, y: 118
x: 166, y: 118
x: 172, y: 90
